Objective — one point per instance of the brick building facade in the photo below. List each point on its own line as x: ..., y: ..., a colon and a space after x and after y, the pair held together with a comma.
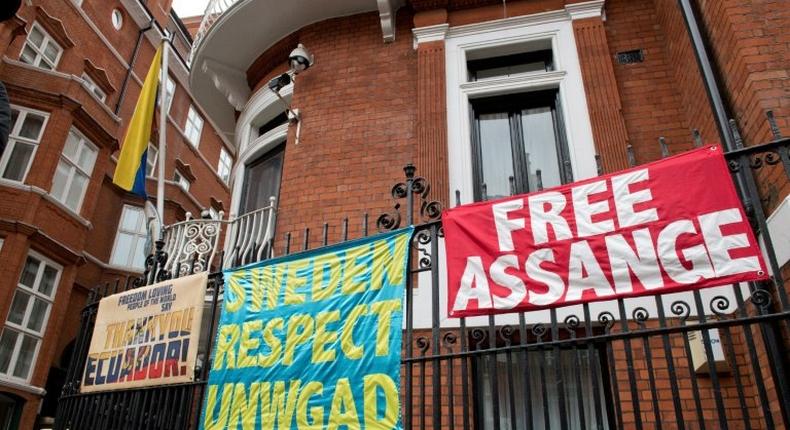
x: 64, y: 227
x: 451, y: 86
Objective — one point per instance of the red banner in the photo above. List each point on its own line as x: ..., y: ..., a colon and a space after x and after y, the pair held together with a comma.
x: 668, y: 226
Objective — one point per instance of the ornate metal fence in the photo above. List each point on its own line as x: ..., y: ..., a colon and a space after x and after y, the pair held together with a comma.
x: 710, y: 359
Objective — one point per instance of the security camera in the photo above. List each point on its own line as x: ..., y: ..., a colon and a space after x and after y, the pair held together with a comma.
x: 278, y: 82
x: 300, y: 59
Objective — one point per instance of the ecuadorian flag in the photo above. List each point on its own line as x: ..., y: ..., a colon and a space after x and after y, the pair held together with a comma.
x: 130, y: 172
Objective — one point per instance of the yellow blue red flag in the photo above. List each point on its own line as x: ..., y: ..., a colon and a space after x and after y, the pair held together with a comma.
x: 130, y: 172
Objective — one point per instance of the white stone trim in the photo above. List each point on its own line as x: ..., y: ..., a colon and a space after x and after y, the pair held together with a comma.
x: 508, y: 24
x: 16, y: 384
x: 588, y: 9
x: 555, y: 27
x: 429, y: 33
x: 254, y: 150
x: 494, y: 86
x: 387, y: 11
x: 263, y: 103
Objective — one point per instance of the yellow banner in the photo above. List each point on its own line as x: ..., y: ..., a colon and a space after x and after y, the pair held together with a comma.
x: 147, y: 336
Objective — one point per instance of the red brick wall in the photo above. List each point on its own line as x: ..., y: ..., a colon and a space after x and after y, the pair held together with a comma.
x: 358, y: 126
x: 749, y: 47
x: 652, y: 106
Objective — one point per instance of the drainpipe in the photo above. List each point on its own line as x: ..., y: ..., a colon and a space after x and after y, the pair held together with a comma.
x: 720, y: 110
x: 126, y: 78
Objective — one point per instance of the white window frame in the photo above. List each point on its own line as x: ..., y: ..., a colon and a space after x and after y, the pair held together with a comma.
x: 13, y: 138
x: 20, y: 328
x: 262, y: 107
x: 151, y: 160
x: 182, y: 181
x: 555, y: 27
x: 95, y: 89
x: 170, y: 92
x: 139, y: 235
x: 193, y: 128
x: 40, y: 50
x: 74, y: 168
x: 225, y: 165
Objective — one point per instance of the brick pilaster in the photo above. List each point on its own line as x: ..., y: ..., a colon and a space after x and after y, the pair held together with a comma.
x: 603, y: 97
x: 431, y: 151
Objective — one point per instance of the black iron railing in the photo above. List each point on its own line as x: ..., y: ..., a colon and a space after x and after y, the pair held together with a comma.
x: 630, y: 364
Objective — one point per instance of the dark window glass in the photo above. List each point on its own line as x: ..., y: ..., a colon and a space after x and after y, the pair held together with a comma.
x: 525, y: 390
x: 273, y: 123
x: 518, y: 144
x: 262, y: 180
x: 511, y: 65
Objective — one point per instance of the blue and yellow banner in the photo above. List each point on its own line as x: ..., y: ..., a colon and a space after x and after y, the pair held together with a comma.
x: 312, y: 340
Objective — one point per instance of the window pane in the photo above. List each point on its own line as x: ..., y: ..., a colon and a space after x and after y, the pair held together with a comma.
x: 51, y: 51
x: 32, y: 126
x: 261, y: 181
x: 37, y: 315
x: 87, y: 158
x: 123, y: 249
x: 76, y: 191
x: 25, y: 359
x: 21, y: 155
x: 131, y: 218
x: 16, y: 314
x: 225, y: 163
x: 150, y: 161
x: 138, y: 259
x: 7, y: 344
x: 60, y: 179
x: 542, y: 393
x: 28, y: 277
x: 72, y: 146
x: 35, y: 36
x: 28, y: 55
x: 47, y: 285
x: 540, y: 146
x: 99, y: 93
x: 497, y: 158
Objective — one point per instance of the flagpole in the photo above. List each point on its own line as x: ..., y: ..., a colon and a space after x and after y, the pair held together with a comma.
x: 162, y: 154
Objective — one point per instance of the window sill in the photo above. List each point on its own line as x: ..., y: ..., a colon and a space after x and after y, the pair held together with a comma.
x: 45, y: 195
x: 68, y: 210
x: 20, y: 384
